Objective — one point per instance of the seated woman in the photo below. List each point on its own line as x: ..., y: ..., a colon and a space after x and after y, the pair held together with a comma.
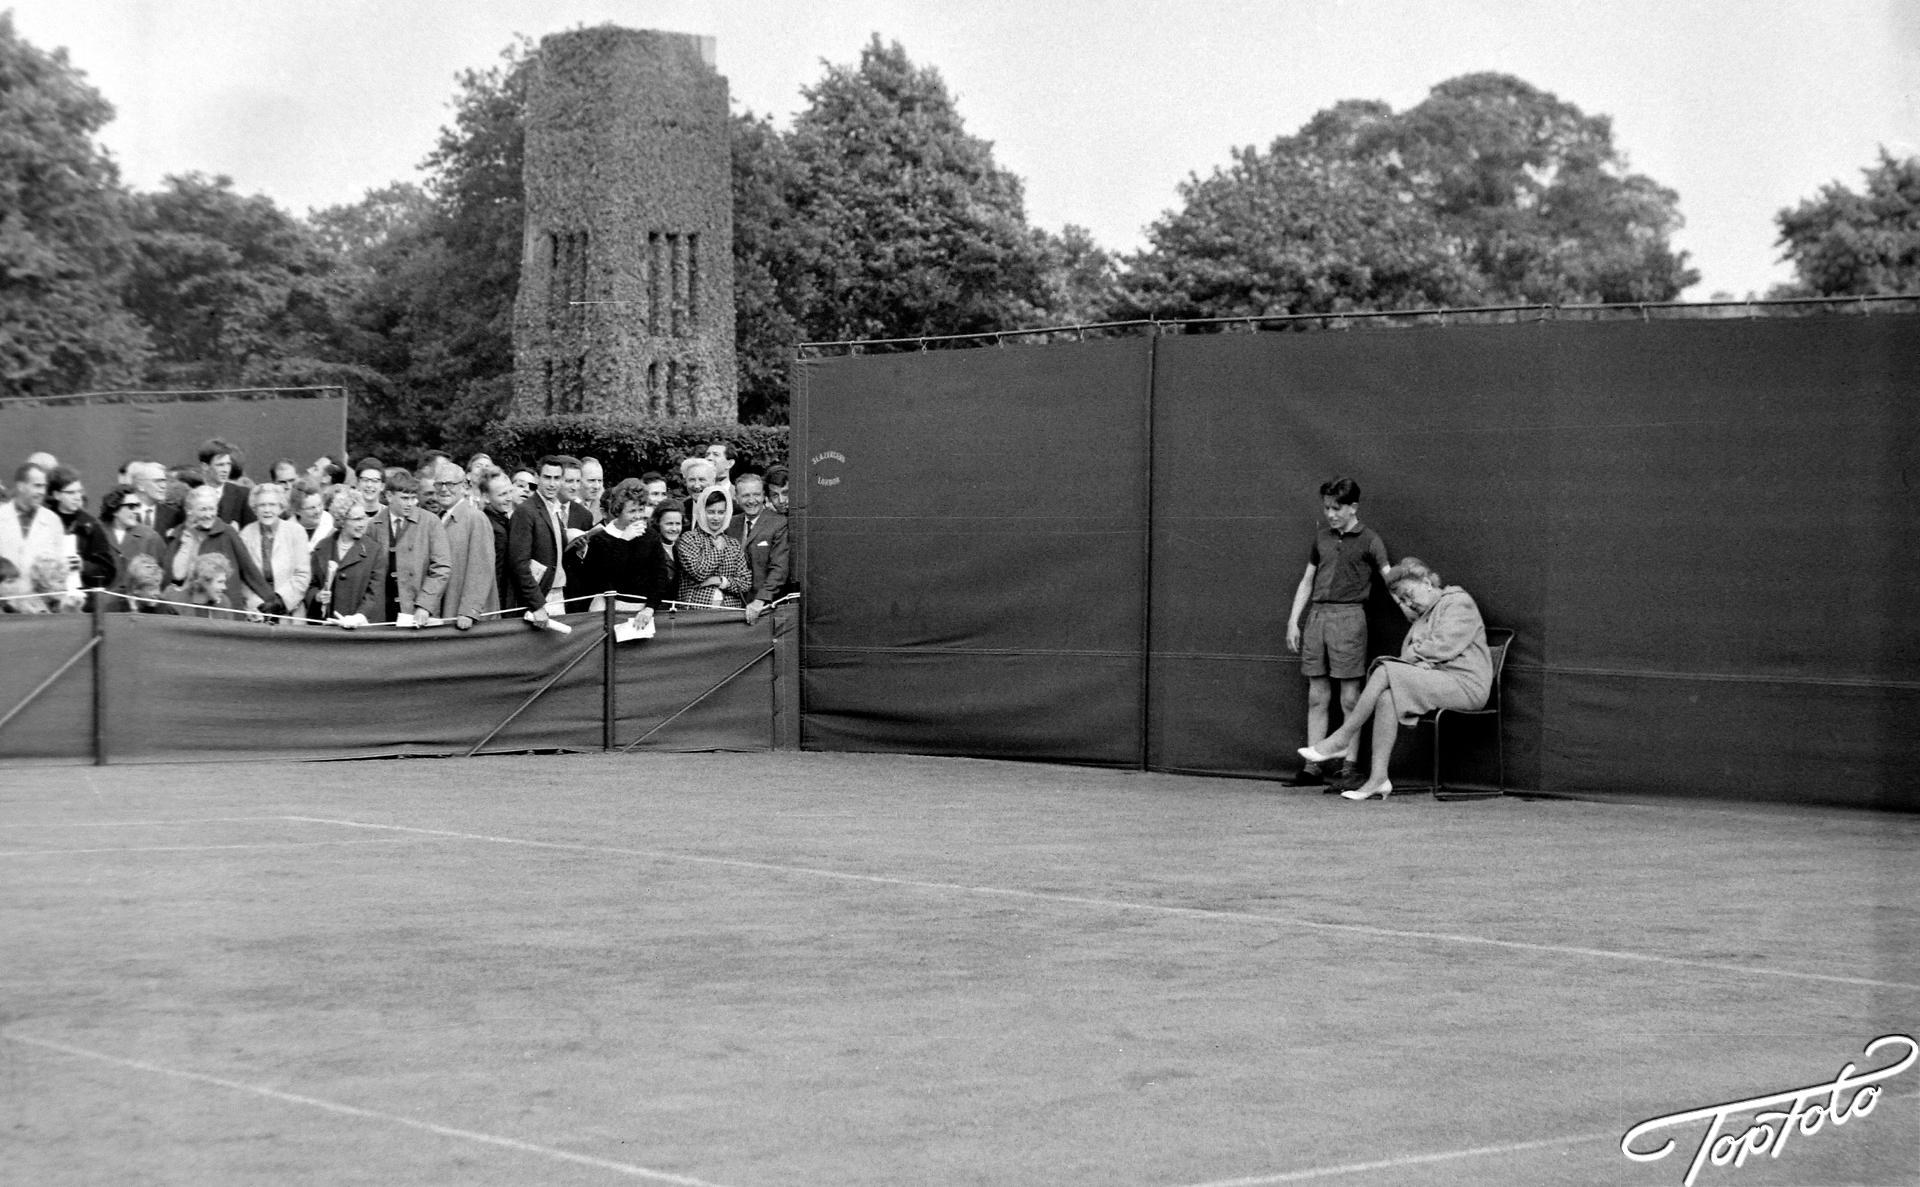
x: 47, y: 577
x: 206, y: 588
x: 1444, y: 664
x: 143, y: 586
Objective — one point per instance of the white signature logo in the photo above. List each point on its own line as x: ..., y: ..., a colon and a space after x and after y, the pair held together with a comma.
x: 1768, y: 1133
x: 831, y: 455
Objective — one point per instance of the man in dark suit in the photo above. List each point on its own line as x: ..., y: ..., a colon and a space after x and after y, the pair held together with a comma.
x: 221, y: 461
x: 498, y: 501
x: 762, y: 532
x: 537, y: 539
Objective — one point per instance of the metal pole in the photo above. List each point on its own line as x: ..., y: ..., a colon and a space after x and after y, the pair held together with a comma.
x: 1146, y: 565
x: 606, y: 673
x: 538, y: 693
x: 99, y: 679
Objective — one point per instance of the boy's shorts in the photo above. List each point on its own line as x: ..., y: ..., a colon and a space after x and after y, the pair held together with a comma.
x: 1335, y: 641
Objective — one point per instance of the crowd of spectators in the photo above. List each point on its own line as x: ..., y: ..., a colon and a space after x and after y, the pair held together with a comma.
x: 441, y: 543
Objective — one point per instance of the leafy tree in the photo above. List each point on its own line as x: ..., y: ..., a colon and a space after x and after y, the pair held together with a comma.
x: 230, y: 286
x: 1488, y: 192
x: 1844, y: 243
x: 772, y: 289
x: 357, y: 232
x: 908, y: 227
x: 64, y: 239
x: 436, y: 317
x: 1312, y: 225
x: 1082, y: 279
x: 1537, y: 195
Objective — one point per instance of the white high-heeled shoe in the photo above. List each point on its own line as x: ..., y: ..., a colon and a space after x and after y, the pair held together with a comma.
x: 1386, y: 789
x: 1312, y: 755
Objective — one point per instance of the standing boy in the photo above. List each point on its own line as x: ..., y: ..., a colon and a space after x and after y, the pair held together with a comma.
x: 1333, y: 645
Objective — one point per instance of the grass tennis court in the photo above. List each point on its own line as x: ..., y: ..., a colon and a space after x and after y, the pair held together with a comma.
x: 748, y: 970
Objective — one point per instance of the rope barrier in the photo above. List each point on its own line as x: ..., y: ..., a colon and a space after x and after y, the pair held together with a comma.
x: 257, y: 617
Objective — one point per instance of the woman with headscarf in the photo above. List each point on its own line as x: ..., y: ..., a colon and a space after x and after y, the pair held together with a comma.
x: 713, y: 565
x: 1444, y: 664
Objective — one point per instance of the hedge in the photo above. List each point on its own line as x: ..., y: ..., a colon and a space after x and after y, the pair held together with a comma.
x: 629, y: 448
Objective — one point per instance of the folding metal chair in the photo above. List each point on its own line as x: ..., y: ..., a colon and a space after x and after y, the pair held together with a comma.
x: 1498, y: 640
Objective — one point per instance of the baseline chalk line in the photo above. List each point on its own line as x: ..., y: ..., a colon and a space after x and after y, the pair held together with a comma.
x: 346, y: 1110
x: 1227, y: 914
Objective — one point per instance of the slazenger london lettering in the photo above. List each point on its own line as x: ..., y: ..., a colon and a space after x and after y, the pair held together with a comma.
x: 1768, y: 1132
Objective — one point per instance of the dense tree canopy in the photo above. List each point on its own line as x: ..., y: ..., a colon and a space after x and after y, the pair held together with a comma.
x: 229, y: 286
x: 907, y: 225
x: 877, y: 215
x: 1488, y: 192
x: 434, y: 316
x: 1844, y: 243
x: 65, y: 243
x: 772, y: 288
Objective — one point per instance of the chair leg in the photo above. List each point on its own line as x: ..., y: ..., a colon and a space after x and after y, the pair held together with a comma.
x: 1436, y: 750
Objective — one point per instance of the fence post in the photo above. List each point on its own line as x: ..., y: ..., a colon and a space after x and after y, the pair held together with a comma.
x: 99, y: 679
x: 606, y: 673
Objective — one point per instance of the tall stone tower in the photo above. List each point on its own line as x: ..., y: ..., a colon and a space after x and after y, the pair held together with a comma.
x: 626, y: 276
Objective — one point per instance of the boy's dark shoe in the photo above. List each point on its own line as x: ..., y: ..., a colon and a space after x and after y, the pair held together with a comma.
x: 1350, y: 777
x: 1308, y: 776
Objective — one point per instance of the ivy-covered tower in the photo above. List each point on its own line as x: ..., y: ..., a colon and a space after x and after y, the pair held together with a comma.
x: 626, y: 276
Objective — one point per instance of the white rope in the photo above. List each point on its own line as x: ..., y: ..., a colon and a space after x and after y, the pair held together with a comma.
x: 256, y: 616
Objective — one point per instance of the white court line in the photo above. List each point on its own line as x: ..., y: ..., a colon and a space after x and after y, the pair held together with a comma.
x: 132, y: 823
x: 1360, y: 929
x: 199, y: 848
x: 1355, y: 1168
x: 624, y: 1168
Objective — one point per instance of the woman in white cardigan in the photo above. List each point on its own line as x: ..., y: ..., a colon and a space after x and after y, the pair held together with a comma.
x: 1444, y: 664
x: 289, y: 567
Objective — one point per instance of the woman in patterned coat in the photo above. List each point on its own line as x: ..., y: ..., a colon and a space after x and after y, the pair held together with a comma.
x: 713, y: 565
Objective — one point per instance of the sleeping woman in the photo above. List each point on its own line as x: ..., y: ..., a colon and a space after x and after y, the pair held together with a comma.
x: 1444, y: 664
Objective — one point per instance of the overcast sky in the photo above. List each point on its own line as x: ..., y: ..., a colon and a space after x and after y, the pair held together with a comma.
x: 1102, y: 106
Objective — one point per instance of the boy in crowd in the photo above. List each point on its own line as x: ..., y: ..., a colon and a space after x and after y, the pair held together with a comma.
x: 1333, y: 592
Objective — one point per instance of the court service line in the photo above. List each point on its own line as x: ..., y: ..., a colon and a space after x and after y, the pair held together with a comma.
x: 1359, y: 929
x: 447, y: 1131
x: 201, y: 848
x: 12, y: 824
x: 1357, y: 1168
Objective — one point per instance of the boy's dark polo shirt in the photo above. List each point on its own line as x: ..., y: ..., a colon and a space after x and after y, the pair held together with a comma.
x: 1344, y: 563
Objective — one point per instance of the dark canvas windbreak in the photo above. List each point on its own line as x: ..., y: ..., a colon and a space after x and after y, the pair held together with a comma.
x: 974, y: 552
x: 193, y: 690
x: 97, y: 438
x: 1700, y: 530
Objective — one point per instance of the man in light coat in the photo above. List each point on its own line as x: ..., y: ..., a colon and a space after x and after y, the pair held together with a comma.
x: 421, y: 566
x: 471, y: 589
x: 28, y: 530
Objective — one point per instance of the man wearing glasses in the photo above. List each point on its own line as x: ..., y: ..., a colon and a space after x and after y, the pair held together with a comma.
x: 470, y: 575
